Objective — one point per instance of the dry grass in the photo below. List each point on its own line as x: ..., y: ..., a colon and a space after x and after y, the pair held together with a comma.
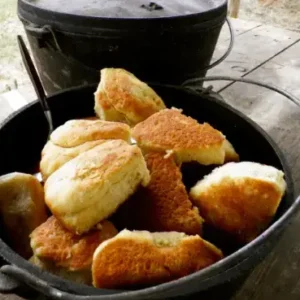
x: 280, y: 13
x: 12, y: 72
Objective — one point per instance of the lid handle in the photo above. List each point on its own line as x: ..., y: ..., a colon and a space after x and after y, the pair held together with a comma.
x: 225, y: 55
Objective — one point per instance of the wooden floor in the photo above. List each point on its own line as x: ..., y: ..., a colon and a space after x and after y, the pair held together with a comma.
x: 271, y: 55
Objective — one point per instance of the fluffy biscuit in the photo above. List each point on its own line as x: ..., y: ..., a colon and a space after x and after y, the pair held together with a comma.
x: 76, y: 132
x: 90, y: 187
x: 240, y: 198
x: 53, y: 157
x: 53, y: 243
x: 142, y: 258
x: 121, y: 96
x: 22, y: 209
x: 170, y: 130
x: 75, y: 137
x: 104, y: 108
x: 163, y: 205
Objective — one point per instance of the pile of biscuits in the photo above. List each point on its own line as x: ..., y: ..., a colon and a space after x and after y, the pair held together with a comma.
x: 126, y: 164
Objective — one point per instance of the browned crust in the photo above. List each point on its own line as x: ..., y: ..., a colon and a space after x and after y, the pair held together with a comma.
x: 127, y: 262
x: 169, y: 129
x: 126, y: 93
x: 104, y: 108
x: 52, y: 242
x: 241, y: 207
x: 164, y: 204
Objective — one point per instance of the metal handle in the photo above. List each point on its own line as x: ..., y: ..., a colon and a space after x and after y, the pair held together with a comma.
x: 44, y: 288
x: 42, y: 31
x: 225, y: 55
x: 191, y: 84
x: 8, y: 284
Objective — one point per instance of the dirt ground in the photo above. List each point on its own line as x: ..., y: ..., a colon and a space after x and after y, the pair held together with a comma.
x: 282, y: 13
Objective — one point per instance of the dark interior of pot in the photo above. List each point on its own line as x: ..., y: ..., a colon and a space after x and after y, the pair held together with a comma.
x: 24, y: 135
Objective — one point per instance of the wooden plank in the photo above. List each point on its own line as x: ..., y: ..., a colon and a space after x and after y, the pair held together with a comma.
x: 239, y: 27
x: 251, y: 49
x: 277, y: 278
x: 5, y: 109
x: 10, y: 102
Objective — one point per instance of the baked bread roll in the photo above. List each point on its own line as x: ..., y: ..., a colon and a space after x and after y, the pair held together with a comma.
x: 141, y: 258
x: 63, y: 253
x: 170, y: 130
x: 240, y: 198
x: 76, y: 132
x: 163, y: 205
x: 90, y: 187
x: 22, y: 209
x: 122, y: 97
x: 54, y: 157
x: 75, y: 137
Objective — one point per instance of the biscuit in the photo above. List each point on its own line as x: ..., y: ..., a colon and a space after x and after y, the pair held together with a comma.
x: 75, y: 137
x: 170, y: 130
x: 76, y: 132
x: 52, y: 243
x: 90, y: 187
x: 121, y: 96
x: 54, y: 157
x: 140, y: 258
x: 240, y: 198
x: 80, y: 276
x: 163, y: 205
x: 22, y: 209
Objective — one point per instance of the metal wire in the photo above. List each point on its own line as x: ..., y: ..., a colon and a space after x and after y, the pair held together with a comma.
x: 218, y: 61
x: 191, y: 83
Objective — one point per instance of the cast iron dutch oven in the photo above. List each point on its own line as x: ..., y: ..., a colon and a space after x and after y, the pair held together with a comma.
x: 24, y: 134
x: 167, y: 41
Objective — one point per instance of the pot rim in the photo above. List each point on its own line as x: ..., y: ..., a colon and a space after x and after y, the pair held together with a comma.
x: 226, y: 264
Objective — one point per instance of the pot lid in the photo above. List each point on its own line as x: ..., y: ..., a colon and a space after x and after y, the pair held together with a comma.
x: 129, y: 9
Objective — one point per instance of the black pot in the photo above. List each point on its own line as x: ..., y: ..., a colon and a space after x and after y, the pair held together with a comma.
x: 72, y: 42
x: 24, y: 134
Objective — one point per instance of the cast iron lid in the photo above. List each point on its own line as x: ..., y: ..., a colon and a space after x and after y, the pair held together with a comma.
x: 115, y: 13
x: 129, y: 8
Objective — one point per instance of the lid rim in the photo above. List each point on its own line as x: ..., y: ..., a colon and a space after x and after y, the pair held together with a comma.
x: 39, y: 16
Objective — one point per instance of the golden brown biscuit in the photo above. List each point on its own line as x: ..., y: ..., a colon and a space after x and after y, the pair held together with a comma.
x: 104, y: 108
x: 54, y: 157
x: 240, y: 198
x: 53, y: 243
x: 144, y: 258
x: 22, y: 209
x: 123, y: 97
x: 76, y: 137
x: 79, y: 276
x: 76, y: 132
x: 90, y: 187
x: 164, y: 204
x: 170, y: 130
x: 230, y: 153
